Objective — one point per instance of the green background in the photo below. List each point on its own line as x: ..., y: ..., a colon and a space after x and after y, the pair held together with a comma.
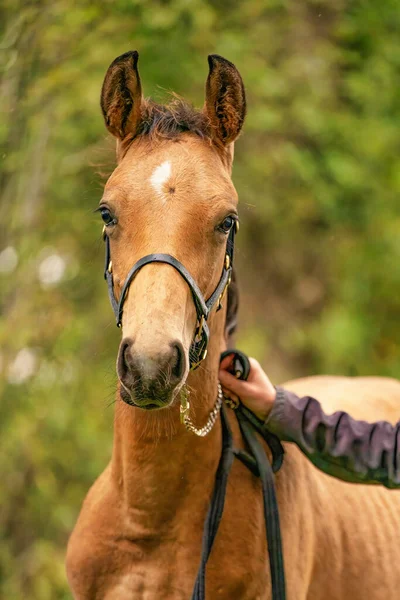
x: 318, y: 173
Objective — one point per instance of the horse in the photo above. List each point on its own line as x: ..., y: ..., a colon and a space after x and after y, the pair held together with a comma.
x: 139, y: 532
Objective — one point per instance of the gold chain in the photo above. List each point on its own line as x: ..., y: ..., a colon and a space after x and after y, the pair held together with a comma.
x: 187, y: 421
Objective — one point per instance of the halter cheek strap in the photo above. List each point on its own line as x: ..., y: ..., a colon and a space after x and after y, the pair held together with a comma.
x: 198, y: 349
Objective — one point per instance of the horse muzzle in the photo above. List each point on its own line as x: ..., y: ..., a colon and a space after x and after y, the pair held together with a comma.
x: 150, y: 381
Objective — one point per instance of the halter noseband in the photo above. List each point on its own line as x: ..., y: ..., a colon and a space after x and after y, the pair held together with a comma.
x: 198, y: 348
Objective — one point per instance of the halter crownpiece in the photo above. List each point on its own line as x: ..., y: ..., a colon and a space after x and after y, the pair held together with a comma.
x: 198, y: 348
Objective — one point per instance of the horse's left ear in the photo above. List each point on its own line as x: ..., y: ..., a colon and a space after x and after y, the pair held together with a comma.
x: 225, y: 99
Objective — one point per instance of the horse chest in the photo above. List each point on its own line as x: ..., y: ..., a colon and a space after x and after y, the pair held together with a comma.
x: 171, y: 576
x: 115, y: 564
x: 168, y: 572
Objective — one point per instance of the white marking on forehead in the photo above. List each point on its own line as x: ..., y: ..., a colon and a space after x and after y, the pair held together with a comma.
x: 160, y: 176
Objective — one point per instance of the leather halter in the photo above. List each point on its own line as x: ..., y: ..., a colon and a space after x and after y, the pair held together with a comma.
x: 198, y: 348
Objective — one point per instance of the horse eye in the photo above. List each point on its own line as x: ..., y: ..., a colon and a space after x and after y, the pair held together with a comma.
x: 226, y: 224
x: 107, y: 216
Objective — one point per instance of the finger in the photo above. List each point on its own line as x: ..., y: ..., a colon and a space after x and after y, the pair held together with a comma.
x: 227, y: 393
x: 237, y: 386
x: 226, y: 362
x: 255, y: 369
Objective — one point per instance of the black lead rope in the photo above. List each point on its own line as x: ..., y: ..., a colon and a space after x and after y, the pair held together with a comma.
x: 255, y: 460
x: 271, y: 511
x: 216, y: 508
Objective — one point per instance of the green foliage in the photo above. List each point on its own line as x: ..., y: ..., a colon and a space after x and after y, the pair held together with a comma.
x: 318, y: 174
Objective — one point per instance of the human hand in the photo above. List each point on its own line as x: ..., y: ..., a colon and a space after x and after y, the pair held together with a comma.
x: 257, y: 393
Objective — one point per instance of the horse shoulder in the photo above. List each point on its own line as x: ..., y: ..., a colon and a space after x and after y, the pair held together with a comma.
x: 92, y: 553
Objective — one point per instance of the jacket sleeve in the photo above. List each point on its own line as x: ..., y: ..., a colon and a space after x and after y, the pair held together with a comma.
x: 355, y: 451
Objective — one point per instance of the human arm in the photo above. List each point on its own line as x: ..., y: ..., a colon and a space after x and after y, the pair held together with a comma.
x: 339, y: 445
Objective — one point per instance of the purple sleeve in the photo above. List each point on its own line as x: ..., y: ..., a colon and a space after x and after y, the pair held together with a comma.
x: 337, y: 444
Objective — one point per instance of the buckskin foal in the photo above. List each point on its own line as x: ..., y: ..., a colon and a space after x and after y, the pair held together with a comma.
x: 139, y: 532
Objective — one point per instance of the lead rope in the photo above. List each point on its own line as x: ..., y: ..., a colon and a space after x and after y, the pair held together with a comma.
x: 260, y: 466
x: 271, y: 511
x: 257, y: 462
x: 216, y: 508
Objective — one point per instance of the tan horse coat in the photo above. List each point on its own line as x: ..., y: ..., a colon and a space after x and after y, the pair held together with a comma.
x: 138, y: 536
x: 353, y: 548
x: 340, y: 540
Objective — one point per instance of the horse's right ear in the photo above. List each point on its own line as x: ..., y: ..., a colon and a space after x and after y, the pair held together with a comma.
x: 121, y: 95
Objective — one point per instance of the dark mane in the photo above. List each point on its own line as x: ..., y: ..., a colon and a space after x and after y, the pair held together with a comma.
x: 167, y: 121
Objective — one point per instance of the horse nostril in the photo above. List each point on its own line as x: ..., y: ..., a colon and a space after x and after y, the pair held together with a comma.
x: 124, y: 358
x: 178, y: 361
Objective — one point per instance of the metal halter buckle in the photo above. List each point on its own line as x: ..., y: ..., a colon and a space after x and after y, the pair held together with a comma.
x: 198, y: 350
x: 222, y: 296
x: 199, y: 329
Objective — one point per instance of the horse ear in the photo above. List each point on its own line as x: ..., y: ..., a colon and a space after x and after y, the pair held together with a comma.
x: 121, y: 95
x: 225, y: 99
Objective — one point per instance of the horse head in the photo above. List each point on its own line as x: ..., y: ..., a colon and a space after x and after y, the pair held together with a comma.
x: 170, y: 193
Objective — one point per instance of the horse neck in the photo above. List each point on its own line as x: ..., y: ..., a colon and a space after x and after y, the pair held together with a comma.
x: 157, y: 464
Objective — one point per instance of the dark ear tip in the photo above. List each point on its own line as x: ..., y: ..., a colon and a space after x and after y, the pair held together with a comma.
x: 214, y: 59
x: 126, y: 57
